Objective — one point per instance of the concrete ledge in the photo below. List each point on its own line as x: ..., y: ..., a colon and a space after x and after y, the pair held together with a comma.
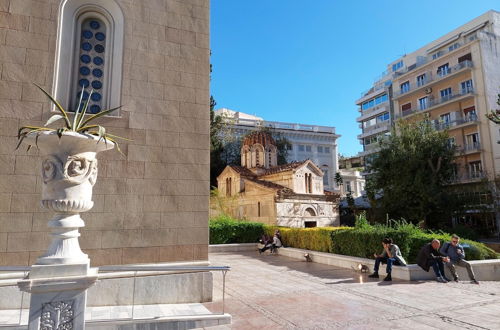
x: 221, y: 248
x: 485, y: 270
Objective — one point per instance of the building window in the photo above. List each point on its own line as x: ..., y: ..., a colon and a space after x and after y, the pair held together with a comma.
x: 258, y: 209
x: 348, y: 186
x: 89, y: 54
x: 373, y: 102
x: 443, y: 70
x: 327, y: 150
x: 423, y: 103
x: 475, y: 170
x: 466, y: 87
x: 308, y: 148
x: 325, y: 176
x: 472, y: 141
x: 444, y: 120
x: 405, y: 87
x: 406, y: 107
x: 421, y: 80
x: 308, y: 183
x: 228, y: 186
x: 301, y: 147
x: 320, y: 149
x: 445, y: 94
x: 470, y: 113
x: 466, y: 57
x: 92, y: 64
x: 289, y: 146
x: 397, y: 66
x: 451, y: 142
x: 453, y: 47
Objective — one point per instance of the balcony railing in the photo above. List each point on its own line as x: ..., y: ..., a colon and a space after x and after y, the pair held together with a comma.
x: 441, y: 125
x: 471, y: 147
x: 435, y: 102
x: 375, y: 129
x: 282, y: 125
x: 379, y: 108
x: 429, y: 78
x: 470, y: 176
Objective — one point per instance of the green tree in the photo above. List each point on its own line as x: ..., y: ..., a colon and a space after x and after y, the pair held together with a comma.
x: 216, y: 144
x: 411, y: 171
x: 494, y: 115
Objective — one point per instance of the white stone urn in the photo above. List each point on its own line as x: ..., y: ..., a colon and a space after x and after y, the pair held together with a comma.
x: 69, y: 171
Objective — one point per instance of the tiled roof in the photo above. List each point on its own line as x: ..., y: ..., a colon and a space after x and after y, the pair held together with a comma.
x: 269, y: 184
x: 262, y: 138
x: 242, y: 171
x: 284, y: 167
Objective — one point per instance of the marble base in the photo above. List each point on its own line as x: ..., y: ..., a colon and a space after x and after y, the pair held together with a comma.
x: 58, y: 295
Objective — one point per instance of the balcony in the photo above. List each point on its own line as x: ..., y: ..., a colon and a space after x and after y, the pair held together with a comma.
x: 433, y: 103
x: 442, y: 125
x: 375, y: 129
x: 471, y: 147
x: 471, y: 176
x: 370, y: 149
x: 376, y: 110
x: 282, y: 125
x: 431, y: 79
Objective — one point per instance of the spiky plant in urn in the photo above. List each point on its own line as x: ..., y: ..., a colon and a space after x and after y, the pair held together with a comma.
x: 69, y: 171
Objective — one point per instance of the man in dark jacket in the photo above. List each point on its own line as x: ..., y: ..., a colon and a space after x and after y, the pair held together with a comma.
x: 429, y: 256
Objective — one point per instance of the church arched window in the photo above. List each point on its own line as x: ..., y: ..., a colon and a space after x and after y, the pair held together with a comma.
x: 89, y: 54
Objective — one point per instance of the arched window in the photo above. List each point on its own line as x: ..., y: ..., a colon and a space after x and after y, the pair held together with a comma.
x: 89, y: 53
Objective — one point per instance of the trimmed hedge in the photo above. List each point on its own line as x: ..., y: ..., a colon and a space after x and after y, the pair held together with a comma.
x: 315, y: 239
x: 224, y: 230
x: 361, y: 241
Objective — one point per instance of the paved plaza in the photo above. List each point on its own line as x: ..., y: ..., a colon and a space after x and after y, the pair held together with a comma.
x: 276, y: 292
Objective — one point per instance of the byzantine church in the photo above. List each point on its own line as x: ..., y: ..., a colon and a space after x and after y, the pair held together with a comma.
x: 290, y: 195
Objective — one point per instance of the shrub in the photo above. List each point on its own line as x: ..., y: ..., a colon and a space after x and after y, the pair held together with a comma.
x: 315, y: 239
x: 225, y: 230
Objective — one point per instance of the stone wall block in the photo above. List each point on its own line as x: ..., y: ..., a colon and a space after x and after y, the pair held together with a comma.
x: 103, y: 220
x: 4, y: 5
x: 176, y: 253
x: 202, y: 40
x: 27, y: 40
x: 42, y: 26
x: 14, y: 258
x: 153, y: 203
x: 200, y: 252
x: 144, y: 186
x: 160, y: 237
x: 90, y: 239
x: 28, y: 111
x: 194, y: 235
x: 202, y: 96
x: 100, y: 257
x: 140, y: 220
x: 161, y: 171
x: 124, y: 169
x: 19, y: 222
x: 7, y: 163
x: 3, y: 242
x: 12, y: 54
x: 159, y: 138
x: 25, y: 203
x: 177, y: 219
x: 163, y: 107
x: 39, y: 241
x: 24, y: 73
x: 140, y: 255
x: 121, y: 238
x: 14, y: 21
x: 39, y: 58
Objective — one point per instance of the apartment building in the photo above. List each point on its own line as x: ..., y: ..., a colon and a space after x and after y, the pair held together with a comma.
x: 455, y: 80
x: 314, y: 142
x: 375, y: 120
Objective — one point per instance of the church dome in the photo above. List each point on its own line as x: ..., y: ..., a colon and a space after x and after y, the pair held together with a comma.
x: 261, y: 138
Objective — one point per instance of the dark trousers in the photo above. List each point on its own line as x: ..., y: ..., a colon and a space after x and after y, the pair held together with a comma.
x: 388, y: 261
x: 438, y: 267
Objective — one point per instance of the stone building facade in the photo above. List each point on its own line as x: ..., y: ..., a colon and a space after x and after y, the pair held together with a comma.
x: 151, y: 203
x: 289, y: 195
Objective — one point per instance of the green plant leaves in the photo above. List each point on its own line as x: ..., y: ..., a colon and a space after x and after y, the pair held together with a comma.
x: 53, y: 119
x: 58, y: 106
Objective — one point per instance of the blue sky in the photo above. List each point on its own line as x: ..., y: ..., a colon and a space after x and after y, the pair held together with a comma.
x: 308, y: 61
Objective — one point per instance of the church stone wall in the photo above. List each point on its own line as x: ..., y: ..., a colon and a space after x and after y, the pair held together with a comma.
x: 151, y: 205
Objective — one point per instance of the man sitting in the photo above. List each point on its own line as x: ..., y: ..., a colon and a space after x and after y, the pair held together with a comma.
x: 429, y: 256
x: 455, y: 252
x: 390, y: 256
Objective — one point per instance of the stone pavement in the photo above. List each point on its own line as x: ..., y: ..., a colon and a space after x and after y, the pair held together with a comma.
x: 276, y: 292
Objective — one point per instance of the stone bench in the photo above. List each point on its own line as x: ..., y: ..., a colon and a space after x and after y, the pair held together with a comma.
x: 485, y: 270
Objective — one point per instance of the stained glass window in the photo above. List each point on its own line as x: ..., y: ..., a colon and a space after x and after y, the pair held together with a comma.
x: 91, y: 73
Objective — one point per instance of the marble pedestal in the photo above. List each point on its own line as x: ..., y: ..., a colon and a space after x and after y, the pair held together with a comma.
x: 58, y: 295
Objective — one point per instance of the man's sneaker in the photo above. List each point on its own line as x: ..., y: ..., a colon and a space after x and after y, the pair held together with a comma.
x: 474, y: 282
x: 441, y: 280
x: 455, y: 278
x: 446, y: 279
x: 388, y: 277
x: 374, y: 275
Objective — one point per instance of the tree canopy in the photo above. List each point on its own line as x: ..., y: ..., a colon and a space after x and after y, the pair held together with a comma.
x: 409, y: 174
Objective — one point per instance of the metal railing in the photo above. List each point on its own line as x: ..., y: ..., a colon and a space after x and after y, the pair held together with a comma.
x: 281, y: 125
x: 138, y: 271
x: 440, y: 125
x: 430, y: 78
x: 371, y: 111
